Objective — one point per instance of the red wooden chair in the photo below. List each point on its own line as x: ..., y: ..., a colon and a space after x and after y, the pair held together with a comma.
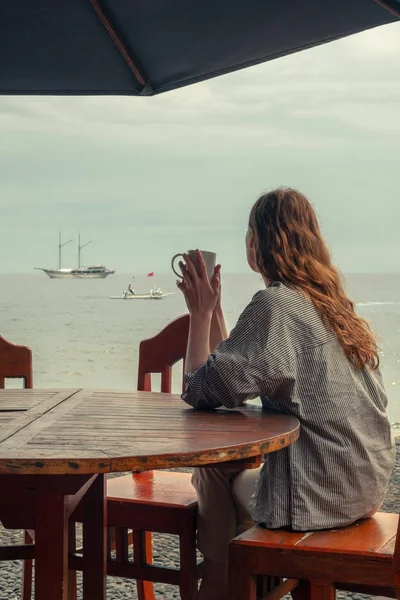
x: 16, y: 363
x: 161, y: 352
x: 363, y: 558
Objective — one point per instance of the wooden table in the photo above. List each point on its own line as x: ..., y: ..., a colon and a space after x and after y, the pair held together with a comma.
x: 56, y: 446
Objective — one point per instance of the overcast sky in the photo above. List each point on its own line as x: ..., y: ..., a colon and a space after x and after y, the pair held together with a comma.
x: 148, y: 177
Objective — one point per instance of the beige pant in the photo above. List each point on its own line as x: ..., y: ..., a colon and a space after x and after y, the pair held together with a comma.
x: 223, y: 499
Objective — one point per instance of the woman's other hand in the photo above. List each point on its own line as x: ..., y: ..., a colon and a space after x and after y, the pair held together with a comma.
x: 200, y: 294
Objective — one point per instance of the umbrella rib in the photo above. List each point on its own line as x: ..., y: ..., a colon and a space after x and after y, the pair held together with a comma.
x: 146, y: 88
x: 392, y: 6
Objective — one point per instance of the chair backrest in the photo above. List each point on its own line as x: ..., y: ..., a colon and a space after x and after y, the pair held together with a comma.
x: 161, y: 352
x: 15, y: 363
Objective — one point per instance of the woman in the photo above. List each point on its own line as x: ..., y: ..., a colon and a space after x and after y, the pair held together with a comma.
x: 300, y: 346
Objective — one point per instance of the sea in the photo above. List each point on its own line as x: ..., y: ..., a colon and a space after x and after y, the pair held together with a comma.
x: 80, y: 337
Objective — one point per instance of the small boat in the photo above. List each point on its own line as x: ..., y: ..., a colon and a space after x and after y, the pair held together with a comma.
x: 152, y: 295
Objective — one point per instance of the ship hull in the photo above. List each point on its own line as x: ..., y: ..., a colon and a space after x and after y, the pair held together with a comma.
x: 92, y: 275
x: 71, y: 275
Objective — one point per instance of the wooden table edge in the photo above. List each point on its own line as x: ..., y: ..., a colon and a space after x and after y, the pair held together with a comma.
x: 112, y: 464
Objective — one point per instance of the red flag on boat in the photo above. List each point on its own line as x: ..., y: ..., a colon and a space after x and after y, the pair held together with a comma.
x: 150, y: 274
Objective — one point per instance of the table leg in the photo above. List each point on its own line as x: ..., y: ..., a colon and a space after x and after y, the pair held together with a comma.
x: 51, y: 547
x: 43, y: 503
x: 95, y: 540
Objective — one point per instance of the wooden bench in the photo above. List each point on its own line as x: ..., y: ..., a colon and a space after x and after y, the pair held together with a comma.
x: 364, y: 557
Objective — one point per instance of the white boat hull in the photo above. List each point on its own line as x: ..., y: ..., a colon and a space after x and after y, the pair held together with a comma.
x: 72, y: 274
x: 93, y: 275
x: 139, y: 297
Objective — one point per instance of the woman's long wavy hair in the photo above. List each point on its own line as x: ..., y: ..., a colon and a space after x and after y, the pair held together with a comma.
x: 289, y: 248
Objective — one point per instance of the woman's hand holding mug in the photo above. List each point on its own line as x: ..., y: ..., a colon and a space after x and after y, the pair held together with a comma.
x: 201, y: 294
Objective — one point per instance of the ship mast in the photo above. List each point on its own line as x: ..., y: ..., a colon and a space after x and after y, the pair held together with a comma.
x: 80, y: 247
x: 61, y: 245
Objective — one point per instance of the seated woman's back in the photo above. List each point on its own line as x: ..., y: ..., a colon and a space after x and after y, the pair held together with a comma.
x: 339, y: 467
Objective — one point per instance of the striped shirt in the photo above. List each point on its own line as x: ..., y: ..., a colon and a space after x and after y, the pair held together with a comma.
x: 339, y: 468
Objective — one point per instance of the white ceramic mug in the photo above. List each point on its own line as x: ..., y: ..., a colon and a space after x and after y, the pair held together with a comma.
x: 209, y: 258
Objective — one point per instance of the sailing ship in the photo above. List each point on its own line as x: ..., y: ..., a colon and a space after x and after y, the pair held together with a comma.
x: 91, y: 272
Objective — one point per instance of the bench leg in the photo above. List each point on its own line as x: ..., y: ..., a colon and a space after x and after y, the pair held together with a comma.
x: 322, y: 591
x: 142, y: 552
x: 188, y: 568
x: 242, y: 583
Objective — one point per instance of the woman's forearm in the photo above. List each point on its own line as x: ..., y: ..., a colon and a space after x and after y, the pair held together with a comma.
x: 198, y: 347
x: 218, y: 331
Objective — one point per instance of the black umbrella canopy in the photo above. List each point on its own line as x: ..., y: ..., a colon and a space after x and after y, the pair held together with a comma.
x: 145, y: 47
